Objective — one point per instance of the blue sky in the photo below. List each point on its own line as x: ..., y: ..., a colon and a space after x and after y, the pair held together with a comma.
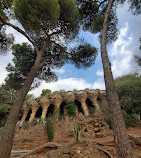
x: 121, y: 54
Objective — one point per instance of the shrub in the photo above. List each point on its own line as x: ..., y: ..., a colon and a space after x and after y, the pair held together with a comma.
x: 49, y: 128
x: 129, y: 121
x: 70, y: 107
x: 25, y: 125
x: 34, y: 122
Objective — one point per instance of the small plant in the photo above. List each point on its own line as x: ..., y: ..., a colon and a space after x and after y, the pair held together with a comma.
x: 70, y: 107
x: 25, y: 125
x: 77, y: 133
x: 136, y: 116
x: 34, y: 122
x: 49, y: 128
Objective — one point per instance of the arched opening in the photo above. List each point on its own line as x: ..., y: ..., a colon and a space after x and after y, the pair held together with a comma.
x: 50, y: 110
x: 62, y: 108
x: 39, y: 112
x: 78, y: 104
x: 90, y: 106
x: 99, y: 101
x: 28, y: 115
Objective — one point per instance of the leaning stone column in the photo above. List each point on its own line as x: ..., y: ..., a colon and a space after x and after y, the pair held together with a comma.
x: 76, y: 110
x: 45, y: 108
x: 97, y: 108
x: 24, y: 115
x: 34, y: 110
x: 85, y: 108
x: 65, y: 113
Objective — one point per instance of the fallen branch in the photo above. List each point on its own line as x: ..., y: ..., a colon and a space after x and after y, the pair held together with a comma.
x: 105, y: 151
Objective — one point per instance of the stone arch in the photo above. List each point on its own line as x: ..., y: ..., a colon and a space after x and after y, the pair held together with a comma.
x: 78, y: 104
x: 39, y: 112
x: 90, y: 106
x: 62, y: 109
x: 99, y: 100
x: 28, y: 115
x: 50, y: 110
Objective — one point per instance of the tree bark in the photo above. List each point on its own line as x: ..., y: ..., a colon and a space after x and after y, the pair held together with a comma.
x: 123, y: 148
x: 9, y: 129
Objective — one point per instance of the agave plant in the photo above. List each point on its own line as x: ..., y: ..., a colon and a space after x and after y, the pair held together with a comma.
x: 77, y: 133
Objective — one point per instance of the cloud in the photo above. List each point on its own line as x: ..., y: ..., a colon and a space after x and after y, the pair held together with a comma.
x: 66, y: 84
x: 123, y: 50
x: 100, y: 73
x: 4, y: 60
x: 99, y: 84
x: 59, y: 71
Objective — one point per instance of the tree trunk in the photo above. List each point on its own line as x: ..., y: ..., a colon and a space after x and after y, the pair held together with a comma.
x: 9, y: 129
x: 120, y: 137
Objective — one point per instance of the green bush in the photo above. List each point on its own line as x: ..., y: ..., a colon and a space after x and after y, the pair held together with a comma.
x: 34, y: 122
x: 129, y: 121
x: 49, y: 128
x: 25, y: 125
x: 70, y: 107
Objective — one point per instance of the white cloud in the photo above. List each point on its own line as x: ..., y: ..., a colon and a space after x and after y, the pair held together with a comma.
x: 60, y: 71
x: 123, y: 50
x: 66, y: 84
x: 100, y: 73
x: 99, y: 84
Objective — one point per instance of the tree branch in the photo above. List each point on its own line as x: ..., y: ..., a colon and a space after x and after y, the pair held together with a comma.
x: 61, y: 48
x: 21, y: 31
x: 44, y: 61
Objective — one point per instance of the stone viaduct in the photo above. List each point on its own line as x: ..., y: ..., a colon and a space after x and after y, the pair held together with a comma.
x: 86, y: 102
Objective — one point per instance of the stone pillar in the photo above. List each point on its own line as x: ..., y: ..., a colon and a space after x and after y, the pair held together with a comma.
x: 97, y: 108
x: 65, y: 113
x: 85, y: 108
x: 34, y: 110
x: 76, y: 110
x: 57, y: 109
x: 45, y: 108
x: 24, y: 115
x: 44, y: 112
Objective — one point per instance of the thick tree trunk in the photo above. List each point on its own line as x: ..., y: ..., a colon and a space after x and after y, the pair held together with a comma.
x: 9, y: 129
x: 121, y: 138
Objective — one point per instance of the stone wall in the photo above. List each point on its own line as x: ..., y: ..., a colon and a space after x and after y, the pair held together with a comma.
x: 51, y: 102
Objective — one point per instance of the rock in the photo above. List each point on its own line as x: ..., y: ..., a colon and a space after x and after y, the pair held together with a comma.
x: 77, y: 152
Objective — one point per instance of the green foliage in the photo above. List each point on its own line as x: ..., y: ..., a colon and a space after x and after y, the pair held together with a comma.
x: 49, y: 128
x: 129, y: 90
x: 70, y: 107
x: 34, y: 122
x: 35, y: 15
x: 6, y: 42
x: 45, y: 92
x: 77, y: 133
x: 92, y: 17
x: 40, y: 15
x: 25, y: 55
x: 7, y: 97
x: 84, y: 56
x: 135, y: 6
x: 5, y: 5
x: 58, y: 92
x: 129, y: 121
x: 29, y: 97
x: 136, y: 116
x: 25, y: 125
